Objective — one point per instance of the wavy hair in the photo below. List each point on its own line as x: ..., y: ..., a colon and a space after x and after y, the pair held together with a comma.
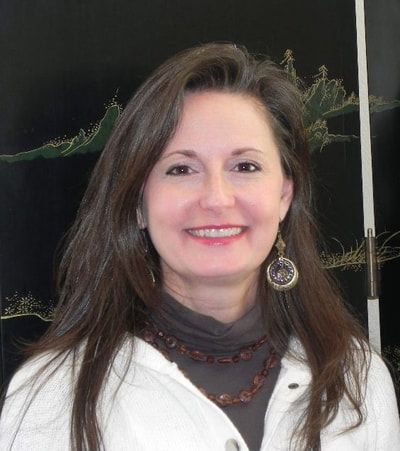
x: 104, y: 282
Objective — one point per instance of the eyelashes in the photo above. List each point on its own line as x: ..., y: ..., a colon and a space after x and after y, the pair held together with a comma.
x: 247, y: 166
x: 242, y: 167
x: 180, y: 170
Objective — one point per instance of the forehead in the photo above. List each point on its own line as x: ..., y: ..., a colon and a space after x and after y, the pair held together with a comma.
x: 222, y: 101
x: 222, y: 117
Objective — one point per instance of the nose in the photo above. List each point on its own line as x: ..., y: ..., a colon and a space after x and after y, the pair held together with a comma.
x: 217, y: 192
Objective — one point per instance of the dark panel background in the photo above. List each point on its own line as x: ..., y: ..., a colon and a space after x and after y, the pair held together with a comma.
x: 63, y: 61
x: 383, y: 39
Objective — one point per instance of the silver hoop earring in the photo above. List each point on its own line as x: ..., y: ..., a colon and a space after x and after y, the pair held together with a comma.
x: 282, y: 273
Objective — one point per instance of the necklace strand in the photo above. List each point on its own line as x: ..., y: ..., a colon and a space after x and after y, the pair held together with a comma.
x: 166, y: 343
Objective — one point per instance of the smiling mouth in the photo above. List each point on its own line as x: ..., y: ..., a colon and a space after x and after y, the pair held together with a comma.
x: 216, y: 232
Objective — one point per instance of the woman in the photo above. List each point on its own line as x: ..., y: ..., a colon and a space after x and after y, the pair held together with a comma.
x: 180, y: 325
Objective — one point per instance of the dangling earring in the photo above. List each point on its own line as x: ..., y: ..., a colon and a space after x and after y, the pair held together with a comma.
x: 282, y: 273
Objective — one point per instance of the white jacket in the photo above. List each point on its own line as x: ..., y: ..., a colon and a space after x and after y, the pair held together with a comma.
x: 158, y: 409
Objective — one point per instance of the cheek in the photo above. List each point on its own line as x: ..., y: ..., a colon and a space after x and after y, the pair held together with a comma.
x: 164, y: 208
x: 266, y: 204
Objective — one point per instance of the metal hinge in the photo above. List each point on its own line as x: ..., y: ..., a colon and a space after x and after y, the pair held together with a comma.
x: 372, y: 265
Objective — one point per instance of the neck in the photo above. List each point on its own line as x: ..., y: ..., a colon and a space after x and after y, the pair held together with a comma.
x: 225, y: 302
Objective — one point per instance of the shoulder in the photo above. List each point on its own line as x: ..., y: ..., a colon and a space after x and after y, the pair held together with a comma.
x: 44, y: 366
x: 44, y: 373
x: 36, y: 404
x: 367, y: 375
x: 380, y: 397
x: 367, y: 363
x: 376, y: 383
x: 376, y: 379
x: 380, y: 428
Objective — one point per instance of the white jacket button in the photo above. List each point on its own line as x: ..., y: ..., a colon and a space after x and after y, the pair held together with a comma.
x: 232, y: 445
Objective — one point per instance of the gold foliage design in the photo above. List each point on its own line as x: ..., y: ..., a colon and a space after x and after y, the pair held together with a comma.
x: 324, y: 99
x: 355, y: 258
x: 20, y: 305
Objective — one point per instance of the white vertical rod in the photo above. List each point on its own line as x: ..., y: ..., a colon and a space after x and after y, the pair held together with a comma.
x: 366, y: 163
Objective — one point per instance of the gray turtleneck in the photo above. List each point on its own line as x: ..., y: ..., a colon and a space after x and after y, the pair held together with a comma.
x: 206, y: 334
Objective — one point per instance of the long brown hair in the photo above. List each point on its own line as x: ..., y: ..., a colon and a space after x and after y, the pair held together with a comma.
x: 104, y: 282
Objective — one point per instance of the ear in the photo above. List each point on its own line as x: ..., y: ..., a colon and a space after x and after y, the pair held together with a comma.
x: 286, y: 197
x: 140, y: 219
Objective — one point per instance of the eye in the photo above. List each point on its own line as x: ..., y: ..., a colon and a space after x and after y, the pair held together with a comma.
x: 181, y: 169
x: 247, y: 166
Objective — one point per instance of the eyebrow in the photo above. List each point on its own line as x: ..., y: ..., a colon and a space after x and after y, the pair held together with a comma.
x: 192, y: 154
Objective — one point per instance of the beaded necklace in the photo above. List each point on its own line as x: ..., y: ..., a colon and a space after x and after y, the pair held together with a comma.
x: 166, y: 343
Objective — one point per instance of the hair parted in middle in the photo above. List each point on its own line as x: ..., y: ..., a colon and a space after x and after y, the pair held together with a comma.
x: 104, y: 283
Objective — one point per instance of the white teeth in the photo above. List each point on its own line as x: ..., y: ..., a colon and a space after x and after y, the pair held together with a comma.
x: 216, y: 233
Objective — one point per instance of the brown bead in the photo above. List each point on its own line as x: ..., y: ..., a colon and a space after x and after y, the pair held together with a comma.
x: 245, y: 395
x: 224, y: 360
x: 235, y: 359
x: 254, y: 390
x: 224, y: 399
x: 265, y: 372
x: 246, y: 355
x: 273, y: 361
x: 182, y: 349
x: 171, y: 342
x: 148, y: 336
x: 259, y: 379
x: 210, y: 359
x: 198, y: 355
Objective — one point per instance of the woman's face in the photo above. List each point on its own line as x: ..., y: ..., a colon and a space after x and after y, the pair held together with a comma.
x: 213, y: 202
